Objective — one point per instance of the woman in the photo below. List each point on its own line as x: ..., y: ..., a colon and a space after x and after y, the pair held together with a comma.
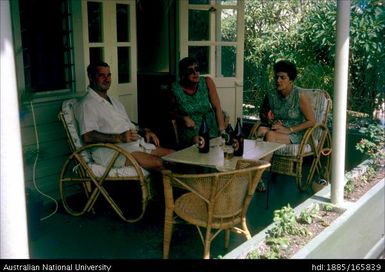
x: 287, y: 109
x: 196, y: 98
x: 285, y: 113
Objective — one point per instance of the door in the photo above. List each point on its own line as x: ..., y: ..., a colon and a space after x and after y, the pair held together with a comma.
x: 110, y: 35
x: 213, y: 32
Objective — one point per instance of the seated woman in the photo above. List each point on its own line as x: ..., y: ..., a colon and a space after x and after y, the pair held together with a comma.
x: 285, y: 113
x: 195, y: 97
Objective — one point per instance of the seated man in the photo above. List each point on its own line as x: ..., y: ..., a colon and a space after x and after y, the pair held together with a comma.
x: 103, y: 119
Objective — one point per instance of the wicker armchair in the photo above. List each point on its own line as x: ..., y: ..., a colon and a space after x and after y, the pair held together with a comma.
x: 82, y: 181
x: 316, y: 144
x: 215, y: 201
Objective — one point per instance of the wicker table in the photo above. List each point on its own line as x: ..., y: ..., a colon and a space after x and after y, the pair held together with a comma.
x: 253, y: 150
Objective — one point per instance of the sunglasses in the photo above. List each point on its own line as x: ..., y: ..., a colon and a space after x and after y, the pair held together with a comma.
x: 191, y: 71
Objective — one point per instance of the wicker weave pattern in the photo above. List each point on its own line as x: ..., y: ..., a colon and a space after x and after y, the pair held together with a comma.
x: 81, y: 173
x: 216, y: 201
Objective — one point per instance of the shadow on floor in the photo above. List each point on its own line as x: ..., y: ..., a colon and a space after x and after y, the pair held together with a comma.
x: 104, y: 236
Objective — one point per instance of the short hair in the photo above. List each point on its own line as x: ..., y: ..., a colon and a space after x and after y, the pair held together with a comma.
x: 184, y: 63
x: 286, y: 67
x: 91, y: 68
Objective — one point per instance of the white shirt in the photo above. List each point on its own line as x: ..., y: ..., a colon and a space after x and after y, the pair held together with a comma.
x: 96, y: 113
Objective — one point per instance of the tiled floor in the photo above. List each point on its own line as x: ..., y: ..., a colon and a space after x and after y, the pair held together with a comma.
x: 104, y: 236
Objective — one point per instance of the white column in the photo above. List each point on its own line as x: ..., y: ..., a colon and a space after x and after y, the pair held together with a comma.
x: 14, y: 238
x: 340, y: 101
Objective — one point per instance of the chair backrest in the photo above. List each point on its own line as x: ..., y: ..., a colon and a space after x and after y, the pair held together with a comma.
x: 226, y: 194
x: 321, y: 104
x: 70, y: 125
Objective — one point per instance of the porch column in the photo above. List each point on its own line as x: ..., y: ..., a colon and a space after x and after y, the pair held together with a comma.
x: 340, y: 102
x: 13, y: 218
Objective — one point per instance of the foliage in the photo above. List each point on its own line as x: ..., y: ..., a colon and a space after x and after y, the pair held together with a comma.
x: 308, y: 215
x: 328, y: 207
x: 286, y: 224
x: 373, y: 143
x: 349, y: 186
x: 367, y: 56
x: 305, y: 32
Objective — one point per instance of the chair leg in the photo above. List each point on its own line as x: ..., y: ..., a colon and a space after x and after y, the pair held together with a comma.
x: 167, y: 234
x: 245, y: 229
x: 207, y: 244
x: 227, y: 238
x: 267, y: 193
x: 269, y: 179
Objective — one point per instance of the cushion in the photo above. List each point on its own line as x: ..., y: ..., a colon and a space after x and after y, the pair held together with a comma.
x: 127, y: 171
x: 291, y: 150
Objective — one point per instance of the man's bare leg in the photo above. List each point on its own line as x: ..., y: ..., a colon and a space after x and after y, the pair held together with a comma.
x: 151, y: 161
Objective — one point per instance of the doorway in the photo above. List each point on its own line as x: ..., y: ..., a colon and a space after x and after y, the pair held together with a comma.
x: 156, y: 43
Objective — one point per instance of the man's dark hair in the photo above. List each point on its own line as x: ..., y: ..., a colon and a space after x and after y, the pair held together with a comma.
x: 184, y: 63
x: 286, y: 67
x: 91, y: 69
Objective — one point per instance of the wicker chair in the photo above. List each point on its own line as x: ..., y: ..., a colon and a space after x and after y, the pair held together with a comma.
x: 82, y: 181
x: 316, y: 144
x: 215, y: 201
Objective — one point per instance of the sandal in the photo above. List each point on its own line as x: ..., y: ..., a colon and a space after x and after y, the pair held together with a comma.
x: 261, y: 186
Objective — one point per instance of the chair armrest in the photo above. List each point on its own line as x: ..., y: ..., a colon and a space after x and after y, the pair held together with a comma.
x: 119, y: 151
x: 254, y: 129
x: 311, y: 138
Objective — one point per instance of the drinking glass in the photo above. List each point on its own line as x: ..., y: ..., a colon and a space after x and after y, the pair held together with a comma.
x: 228, y: 152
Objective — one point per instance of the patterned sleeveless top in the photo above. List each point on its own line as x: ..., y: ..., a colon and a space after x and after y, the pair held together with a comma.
x: 288, y: 110
x: 196, y: 106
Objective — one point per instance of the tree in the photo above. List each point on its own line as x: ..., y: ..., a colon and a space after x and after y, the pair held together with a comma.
x: 305, y: 32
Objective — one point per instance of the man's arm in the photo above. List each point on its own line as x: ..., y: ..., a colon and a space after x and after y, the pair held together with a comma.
x: 93, y: 137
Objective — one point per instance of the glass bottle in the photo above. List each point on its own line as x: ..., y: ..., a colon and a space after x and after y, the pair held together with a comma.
x: 229, y: 134
x: 238, y: 138
x: 204, y: 137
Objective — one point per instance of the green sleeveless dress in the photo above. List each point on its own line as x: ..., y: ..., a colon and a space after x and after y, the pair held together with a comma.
x: 288, y: 110
x: 196, y: 106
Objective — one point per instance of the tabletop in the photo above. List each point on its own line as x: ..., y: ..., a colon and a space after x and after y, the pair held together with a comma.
x: 253, y: 150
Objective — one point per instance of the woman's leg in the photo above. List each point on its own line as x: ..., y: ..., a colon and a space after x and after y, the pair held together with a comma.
x: 273, y: 136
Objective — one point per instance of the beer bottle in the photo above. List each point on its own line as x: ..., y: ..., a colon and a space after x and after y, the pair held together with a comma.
x: 229, y: 134
x: 238, y: 137
x: 204, y: 137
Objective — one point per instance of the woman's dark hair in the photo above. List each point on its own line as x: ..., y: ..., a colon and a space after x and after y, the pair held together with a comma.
x: 184, y: 63
x: 286, y: 67
x: 91, y: 69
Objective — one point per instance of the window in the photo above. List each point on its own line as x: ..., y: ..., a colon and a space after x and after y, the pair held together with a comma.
x: 212, y: 35
x: 46, y: 43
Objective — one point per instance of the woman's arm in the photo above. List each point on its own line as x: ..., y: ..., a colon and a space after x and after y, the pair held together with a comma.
x: 307, y: 111
x: 215, y: 102
x: 178, y: 115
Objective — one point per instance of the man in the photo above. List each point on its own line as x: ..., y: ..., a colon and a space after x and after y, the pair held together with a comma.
x: 103, y: 119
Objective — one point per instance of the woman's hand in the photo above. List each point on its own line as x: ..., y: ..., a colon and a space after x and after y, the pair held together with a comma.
x: 278, y: 127
x: 151, y: 137
x: 189, y: 123
x: 270, y: 115
x: 196, y: 139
